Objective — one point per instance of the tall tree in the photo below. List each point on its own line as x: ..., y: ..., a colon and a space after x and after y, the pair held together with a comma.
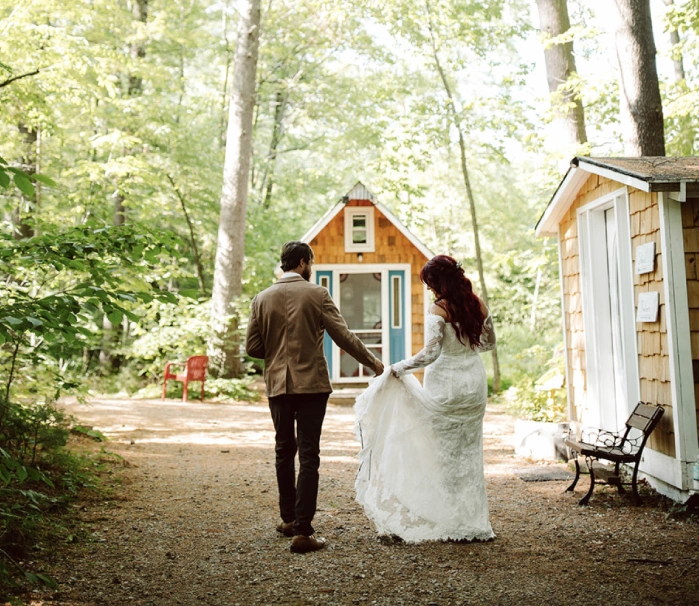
x: 677, y: 60
x: 456, y: 120
x: 560, y: 69
x: 639, y: 91
x: 28, y: 202
x: 228, y: 271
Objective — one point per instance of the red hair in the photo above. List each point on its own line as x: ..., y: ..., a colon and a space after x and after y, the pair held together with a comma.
x: 444, y: 275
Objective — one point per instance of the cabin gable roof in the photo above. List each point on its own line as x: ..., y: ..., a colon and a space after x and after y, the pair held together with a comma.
x: 360, y: 192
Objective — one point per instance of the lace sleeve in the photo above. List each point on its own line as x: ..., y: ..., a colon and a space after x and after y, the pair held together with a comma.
x: 429, y: 353
x: 487, y: 336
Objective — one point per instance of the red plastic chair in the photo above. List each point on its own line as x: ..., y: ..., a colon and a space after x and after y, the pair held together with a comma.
x: 194, y: 370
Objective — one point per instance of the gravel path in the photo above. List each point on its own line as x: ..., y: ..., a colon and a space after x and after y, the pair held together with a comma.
x: 193, y: 523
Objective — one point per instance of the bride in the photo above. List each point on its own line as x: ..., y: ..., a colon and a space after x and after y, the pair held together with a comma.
x: 421, y: 463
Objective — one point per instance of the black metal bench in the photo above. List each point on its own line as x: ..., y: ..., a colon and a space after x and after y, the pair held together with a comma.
x: 618, y: 448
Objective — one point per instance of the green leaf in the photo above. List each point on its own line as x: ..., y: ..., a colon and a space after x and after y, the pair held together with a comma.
x: 131, y: 316
x: 4, y: 474
x: 115, y: 317
x: 44, y: 179
x: 21, y: 474
x: 32, y: 578
x: 47, y: 580
x: 4, y: 179
x: 24, y: 185
x: 190, y: 293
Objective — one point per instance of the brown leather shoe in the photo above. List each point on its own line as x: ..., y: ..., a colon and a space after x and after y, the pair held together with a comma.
x: 286, y: 528
x: 302, y: 544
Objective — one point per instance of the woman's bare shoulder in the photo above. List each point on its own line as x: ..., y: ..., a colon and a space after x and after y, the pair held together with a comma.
x: 438, y: 311
x: 484, y: 309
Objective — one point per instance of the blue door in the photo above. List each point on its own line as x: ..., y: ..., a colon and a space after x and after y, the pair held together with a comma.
x: 325, y: 278
x: 396, y: 313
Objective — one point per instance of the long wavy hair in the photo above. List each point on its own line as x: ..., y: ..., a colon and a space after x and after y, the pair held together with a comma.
x: 444, y: 275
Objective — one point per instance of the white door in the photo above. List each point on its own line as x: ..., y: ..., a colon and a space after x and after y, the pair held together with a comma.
x: 608, y: 312
x: 615, y: 418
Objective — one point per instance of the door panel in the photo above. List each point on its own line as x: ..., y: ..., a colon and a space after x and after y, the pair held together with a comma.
x: 396, y: 311
x: 325, y: 278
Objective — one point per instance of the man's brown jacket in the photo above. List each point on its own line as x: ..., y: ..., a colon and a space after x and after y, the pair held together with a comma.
x: 286, y: 327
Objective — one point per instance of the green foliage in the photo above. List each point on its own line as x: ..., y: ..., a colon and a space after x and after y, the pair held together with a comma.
x: 168, y: 333
x: 542, y: 398
x: 61, y: 285
x: 36, y: 478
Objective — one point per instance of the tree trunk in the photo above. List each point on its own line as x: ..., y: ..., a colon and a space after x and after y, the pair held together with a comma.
x: 224, y: 347
x: 639, y: 92
x: 137, y: 48
x: 26, y: 206
x: 677, y: 61
x: 193, y: 240
x: 456, y: 121
x: 560, y: 66
x: 277, y: 133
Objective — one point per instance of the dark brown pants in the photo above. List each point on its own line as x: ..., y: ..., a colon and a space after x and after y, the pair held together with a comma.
x: 298, y: 421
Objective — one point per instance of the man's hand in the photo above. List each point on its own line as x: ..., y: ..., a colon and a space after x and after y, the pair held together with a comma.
x: 378, y: 368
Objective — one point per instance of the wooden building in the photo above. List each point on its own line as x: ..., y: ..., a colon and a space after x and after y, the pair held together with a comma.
x: 370, y: 263
x: 628, y: 237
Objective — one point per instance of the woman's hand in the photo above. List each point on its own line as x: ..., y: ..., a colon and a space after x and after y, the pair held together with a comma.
x: 395, y: 373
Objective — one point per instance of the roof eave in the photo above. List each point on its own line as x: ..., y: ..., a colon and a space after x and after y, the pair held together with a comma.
x: 561, y: 201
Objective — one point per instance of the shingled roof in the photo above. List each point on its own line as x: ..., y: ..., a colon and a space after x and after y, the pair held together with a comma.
x: 647, y: 173
x: 661, y: 173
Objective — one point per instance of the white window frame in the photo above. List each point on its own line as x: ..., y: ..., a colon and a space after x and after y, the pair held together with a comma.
x: 595, y: 295
x: 350, y: 213
x: 383, y: 269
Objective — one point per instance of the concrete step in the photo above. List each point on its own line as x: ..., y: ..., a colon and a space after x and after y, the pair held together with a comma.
x: 346, y: 396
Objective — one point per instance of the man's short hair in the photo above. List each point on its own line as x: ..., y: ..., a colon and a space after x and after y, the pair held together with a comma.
x: 293, y: 253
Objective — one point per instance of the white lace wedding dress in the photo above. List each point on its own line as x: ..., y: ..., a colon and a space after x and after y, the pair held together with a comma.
x: 421, y: 464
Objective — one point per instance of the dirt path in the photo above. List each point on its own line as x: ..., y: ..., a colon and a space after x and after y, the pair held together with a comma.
x: 193, y: 523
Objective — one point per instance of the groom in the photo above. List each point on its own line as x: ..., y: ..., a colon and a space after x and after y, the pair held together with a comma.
x: 286, y: 327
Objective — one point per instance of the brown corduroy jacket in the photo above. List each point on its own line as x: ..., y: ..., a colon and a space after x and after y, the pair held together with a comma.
x: 286, y: 327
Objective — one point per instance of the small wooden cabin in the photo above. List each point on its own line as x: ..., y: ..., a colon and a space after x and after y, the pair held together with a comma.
x: 370, y: 263
x: 628, y: 237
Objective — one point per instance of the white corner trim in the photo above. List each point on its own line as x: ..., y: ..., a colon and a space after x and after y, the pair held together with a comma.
x: 563, y: 321
x: 678, y: 333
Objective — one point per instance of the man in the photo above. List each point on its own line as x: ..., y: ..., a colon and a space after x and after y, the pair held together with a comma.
x: 286, y: 327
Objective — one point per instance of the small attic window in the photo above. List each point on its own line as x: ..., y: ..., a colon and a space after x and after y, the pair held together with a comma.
x: 359, y: 229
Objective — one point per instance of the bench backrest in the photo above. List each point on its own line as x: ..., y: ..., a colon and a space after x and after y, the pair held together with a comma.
x: 644, y: 418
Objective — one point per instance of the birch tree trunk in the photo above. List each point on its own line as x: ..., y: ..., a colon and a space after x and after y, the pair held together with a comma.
x: 639, y: 92
x: 677, y: 59
x: 560, y: 67
x: 224, y: 346
x: 27, y: 205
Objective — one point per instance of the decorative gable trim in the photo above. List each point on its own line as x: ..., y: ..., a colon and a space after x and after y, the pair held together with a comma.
x: 360, y: 192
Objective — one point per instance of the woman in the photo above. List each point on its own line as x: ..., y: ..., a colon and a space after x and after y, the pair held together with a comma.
x: 421, y: 464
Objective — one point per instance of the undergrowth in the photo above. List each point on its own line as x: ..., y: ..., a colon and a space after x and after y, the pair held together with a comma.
x: 39, y: 479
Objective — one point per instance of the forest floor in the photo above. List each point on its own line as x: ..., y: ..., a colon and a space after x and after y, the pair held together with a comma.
x: 191, y: 520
